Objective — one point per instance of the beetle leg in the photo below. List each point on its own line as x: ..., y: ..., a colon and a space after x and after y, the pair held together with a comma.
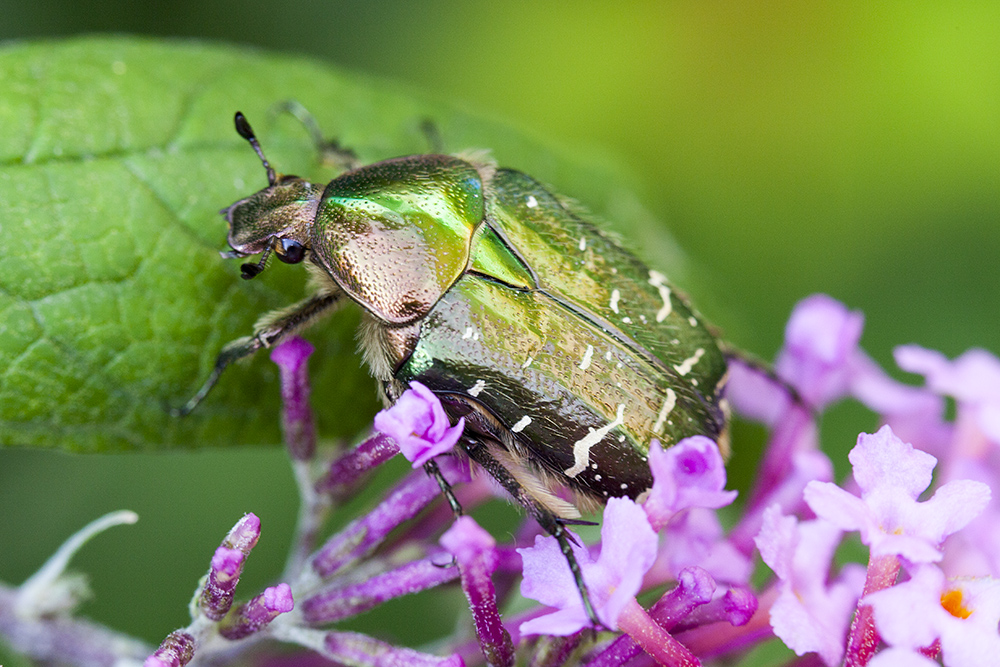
x: 432, y: 470
x: 331, y: 153
x: 269, y: 331
x: 765, y: 369
x: 565, y: 538
x: 478, y: 451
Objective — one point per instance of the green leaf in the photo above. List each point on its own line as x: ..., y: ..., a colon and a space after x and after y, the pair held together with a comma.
x: 115, y: 158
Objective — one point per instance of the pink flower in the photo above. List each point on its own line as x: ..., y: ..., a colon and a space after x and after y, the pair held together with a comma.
x: 821, y: 344
x: 809, y: 615
x: 963, y: 614
x: 891, y: 475
x: 628, y: 549
x: 696, y: 538
x: 689, y: 474
x: 973, y: 379
x: 419, y: 425
x: 476, y: 554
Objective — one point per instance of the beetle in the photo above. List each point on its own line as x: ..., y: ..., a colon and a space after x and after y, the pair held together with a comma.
x: 564, y: 352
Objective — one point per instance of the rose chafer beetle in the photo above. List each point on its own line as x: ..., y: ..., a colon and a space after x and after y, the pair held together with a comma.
x: 564, y: 352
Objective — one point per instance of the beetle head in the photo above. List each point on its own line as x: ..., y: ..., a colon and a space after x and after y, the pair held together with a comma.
x: 276, y: 218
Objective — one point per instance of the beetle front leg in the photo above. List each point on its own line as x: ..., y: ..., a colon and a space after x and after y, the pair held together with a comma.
x: 269, y: 331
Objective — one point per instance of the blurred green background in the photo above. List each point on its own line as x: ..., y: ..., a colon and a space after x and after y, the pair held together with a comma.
x: 851, y: 148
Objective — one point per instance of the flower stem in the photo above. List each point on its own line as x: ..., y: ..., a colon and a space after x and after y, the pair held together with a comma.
x: 863, y: 638
x: 653, y: 639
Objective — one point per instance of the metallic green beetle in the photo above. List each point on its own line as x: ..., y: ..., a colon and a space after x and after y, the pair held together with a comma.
x: 565, y: 353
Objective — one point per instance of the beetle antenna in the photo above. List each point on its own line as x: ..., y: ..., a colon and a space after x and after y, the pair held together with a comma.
x: 248, y: 270
x: 244, y: 130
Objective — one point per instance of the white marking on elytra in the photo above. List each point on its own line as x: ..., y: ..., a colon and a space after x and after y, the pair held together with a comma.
x: 593, y: 466
x: 627, y: 320
x: 583, y: 243
x: 621, y: 438
x: 475, y: 336
x: 532, y: 202
x: 476, y: 388
x: 692, y: 321
x: 587, y: 356
x: 467, y: 334
x: 685, y: 366
x: 659, y: 281
x: 527, y: 362
x: 615, y: 296
x: 668, y: 405
x: 624, y: 486
x: 581, y: 448
x: 519, y: 426
x: 597, y: 478
x: 607, y: 355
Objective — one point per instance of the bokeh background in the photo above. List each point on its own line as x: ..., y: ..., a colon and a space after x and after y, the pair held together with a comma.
x: 851, y: 148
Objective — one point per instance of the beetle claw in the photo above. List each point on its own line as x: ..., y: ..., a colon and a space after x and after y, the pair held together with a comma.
x: 578, y: 522
x: 451, y: 563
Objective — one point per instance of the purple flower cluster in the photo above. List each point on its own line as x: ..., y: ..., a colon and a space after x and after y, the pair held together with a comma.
x: 928, y: 592
x: 671, y: 582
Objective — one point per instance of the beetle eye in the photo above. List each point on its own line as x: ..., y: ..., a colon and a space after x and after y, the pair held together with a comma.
x: 292, y: 252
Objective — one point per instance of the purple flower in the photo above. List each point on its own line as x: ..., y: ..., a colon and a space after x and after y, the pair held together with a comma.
x: 735, y: 606
x: 809, y: 615
x: 349, y: 468
x: 244, y: 534
x: 891, y: 475
x: 175, y: 651
x: 227, y: 564
x: 352, y: 648
x: 475, y: 552
x: 689, y: 474
x: 296, y: 417
x: 973, y: 379
x: 821, y: 344
x: 338, y: 600
x: 695, y: 587
x: 366, y: 533
x: 696, y: 538
x: 821, y: 359
x: 418, y: 423
x: 628, y: 549
x: 224, y: 574
x: 803, y: 468
x: 259, y: 612
x: 963, y: 614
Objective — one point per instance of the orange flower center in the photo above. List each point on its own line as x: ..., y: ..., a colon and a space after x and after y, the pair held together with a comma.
x: 952, y: 602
